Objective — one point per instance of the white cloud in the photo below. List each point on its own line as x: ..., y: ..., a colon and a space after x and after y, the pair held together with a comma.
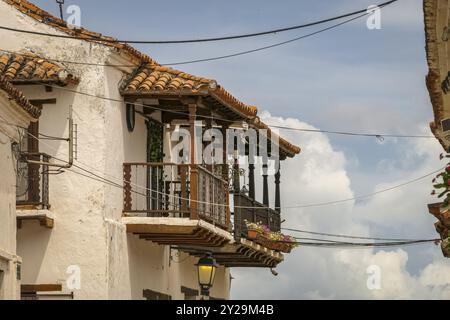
x: 319, y: 174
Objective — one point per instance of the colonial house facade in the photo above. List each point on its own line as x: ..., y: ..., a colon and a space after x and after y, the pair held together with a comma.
x: 15, y: 111
x: 105, y: 207
x: 437, y: 32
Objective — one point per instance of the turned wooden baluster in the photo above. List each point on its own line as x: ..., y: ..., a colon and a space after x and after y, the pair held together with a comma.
x: 127, y: 202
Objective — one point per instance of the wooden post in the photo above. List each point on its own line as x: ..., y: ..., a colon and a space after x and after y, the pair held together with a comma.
x: 227, y: 208
x: 208, y: 126
x: 277, y: 190
x: 225, y: 155
x: 225, y: 173
x: 184, y: 195
x: 236, y: 169
x: 193, y: 205
x: 127, y: 200
x: 34, y: 190
x: 265, y: 168
x: 251, y: 181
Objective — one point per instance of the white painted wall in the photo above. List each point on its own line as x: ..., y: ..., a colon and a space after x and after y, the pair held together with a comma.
x: 87, y: 231
x: 10, y: 115
x: 8, y: 257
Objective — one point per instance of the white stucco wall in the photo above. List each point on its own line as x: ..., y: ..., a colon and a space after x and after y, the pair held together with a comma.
x: 11, y: 115
x: 8, y: 259
x: 87, y: 231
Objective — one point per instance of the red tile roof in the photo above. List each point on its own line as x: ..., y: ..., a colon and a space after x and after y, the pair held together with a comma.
x: 150, y: 77
x: 17, y: 96
x: 43, y: 16
x: 433, y: 79
x: 288, y: 147
x: 154, y: 79
x: 18, y: 68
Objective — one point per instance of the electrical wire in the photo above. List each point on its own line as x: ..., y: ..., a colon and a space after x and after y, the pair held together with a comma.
x: 222, y: 57
x: 241, y: 53
x: 335, y: 242
x: 324, y: 243
x: 363, y: 245
x: 379, y: 136
x: 206, y: 117
x: 259, y: 208
x: 343, y: 236
x: 370, y: 195
x: 373, y: 135
x: 214, y: 39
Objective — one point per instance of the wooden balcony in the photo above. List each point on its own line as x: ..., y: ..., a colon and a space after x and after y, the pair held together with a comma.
x: 33, y: 182
x: 442, y: 213
x: 241, y: 253
x: 247, y: 209
x: 32, y: 193
x: 174, y: 204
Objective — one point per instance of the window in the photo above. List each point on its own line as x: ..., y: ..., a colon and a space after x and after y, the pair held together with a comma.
x: 153, y: 295
x: 189, y: 294
x: 43, y: 292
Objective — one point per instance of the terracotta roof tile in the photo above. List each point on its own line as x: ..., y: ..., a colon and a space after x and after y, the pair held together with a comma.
x: 43, y: 16
x: 19, y: 98
x: 433, y: 79
x: 288, y: 147
x: 149, y: 78
x: 153, y: 79
x: 28, y: 68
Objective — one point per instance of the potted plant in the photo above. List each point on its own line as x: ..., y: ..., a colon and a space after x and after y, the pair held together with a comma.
x: 253, y: 230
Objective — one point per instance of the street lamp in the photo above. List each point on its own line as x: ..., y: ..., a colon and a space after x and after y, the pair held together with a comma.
x: 207, y: 267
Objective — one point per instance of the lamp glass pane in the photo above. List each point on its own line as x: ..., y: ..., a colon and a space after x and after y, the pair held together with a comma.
x: 213, y: 275
x: 204, y: 274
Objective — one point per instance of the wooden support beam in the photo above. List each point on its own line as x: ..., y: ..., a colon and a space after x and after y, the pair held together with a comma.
x: 41, y: 102
x: 278, y: 190
x: 194, y: 171
x: 265, y: 183
x: 33, y: 288
x: 251, y: 181
x: 47, y: 222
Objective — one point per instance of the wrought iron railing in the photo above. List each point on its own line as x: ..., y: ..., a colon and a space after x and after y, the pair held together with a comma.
x: 249, y: 210
x: 32, y: 188
x: 175, y: 191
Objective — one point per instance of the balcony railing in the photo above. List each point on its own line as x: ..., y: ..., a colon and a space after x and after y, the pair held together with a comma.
x: 175, y: 191
x: 33, y: 181
x: 247, y: 209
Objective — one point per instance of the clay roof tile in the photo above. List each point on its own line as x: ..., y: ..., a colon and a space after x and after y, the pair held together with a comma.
x: 19, y: 98
x: 28, y: 67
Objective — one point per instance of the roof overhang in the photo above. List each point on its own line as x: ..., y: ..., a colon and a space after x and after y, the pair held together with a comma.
x: 436, y: 13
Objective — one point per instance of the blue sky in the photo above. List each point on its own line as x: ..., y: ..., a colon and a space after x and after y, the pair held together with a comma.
x: 347, y: 79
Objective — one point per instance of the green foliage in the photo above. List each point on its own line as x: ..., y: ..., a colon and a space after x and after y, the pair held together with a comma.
x: 441, y: 184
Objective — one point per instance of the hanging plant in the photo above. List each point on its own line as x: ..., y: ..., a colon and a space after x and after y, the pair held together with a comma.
x: 273, y: 240
x: 441, y: 184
